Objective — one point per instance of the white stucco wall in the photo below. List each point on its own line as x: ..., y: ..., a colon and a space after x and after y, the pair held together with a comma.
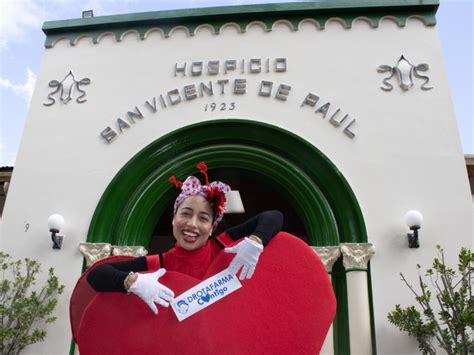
x: 406, y: 154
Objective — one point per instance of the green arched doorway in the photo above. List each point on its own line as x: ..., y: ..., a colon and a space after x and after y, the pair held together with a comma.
x: 128, y: 209
x: 140, y: 192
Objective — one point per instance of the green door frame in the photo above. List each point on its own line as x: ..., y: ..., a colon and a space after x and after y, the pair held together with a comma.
x: 127, y: 211
x: 140, y: 192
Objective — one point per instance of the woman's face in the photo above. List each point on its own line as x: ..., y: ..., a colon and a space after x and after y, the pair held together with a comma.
x: 192, y: 223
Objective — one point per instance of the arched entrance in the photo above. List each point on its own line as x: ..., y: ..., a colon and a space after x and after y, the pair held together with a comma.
x: 140, y: 193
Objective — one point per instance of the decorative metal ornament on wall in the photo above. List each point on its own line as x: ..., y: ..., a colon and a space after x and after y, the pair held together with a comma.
x: 67, y: 88
x: 404, y: 71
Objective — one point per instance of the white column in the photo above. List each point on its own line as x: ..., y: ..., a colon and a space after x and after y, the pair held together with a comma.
x: 329, y: 256
x: 355, y: 259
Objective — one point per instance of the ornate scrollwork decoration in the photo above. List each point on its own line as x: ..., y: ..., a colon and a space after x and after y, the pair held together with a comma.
x: 66, y: 88
x: 356, y: 255
x: 404, y: 71
x: 94, y: 252
x: 129, y: 250
x: 328, y: 255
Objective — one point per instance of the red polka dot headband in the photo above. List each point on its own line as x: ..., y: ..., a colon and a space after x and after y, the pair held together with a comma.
x: 214, y: 192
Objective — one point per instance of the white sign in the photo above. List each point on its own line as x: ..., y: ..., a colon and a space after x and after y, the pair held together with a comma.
x: 204, y: 294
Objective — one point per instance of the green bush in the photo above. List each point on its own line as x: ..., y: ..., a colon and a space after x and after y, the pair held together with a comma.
x: 23, y: 311
x: 453, y: 325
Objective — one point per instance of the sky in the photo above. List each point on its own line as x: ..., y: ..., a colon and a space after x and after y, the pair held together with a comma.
x: 22, y: 46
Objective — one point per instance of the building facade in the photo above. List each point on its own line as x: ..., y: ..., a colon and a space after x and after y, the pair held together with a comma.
x: 337, y: 114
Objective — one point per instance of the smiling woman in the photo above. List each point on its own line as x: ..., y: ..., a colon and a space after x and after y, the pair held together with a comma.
x: 198, y: 209
x: 192, y: 224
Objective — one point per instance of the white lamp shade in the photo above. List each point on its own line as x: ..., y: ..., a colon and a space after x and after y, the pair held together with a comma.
x: 55, y: 221
x: 413, y: 218
x: 234, y: 202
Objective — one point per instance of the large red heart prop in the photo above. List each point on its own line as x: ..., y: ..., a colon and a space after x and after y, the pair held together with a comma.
x: 287, y: 307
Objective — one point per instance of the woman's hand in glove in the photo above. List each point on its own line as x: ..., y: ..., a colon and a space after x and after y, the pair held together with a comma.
x: 248, y: 251
x: 151, y: 291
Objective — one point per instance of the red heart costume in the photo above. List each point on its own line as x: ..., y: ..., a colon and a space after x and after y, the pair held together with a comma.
x: 287, y: 307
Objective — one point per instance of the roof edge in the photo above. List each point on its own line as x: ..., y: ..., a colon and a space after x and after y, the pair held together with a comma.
x: 321, y: 11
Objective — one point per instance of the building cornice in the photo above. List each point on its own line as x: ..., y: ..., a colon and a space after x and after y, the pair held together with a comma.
x: 319, y: 12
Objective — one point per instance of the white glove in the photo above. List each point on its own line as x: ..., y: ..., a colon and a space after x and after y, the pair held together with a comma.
x: 248, y: 251
x: 150, y: 290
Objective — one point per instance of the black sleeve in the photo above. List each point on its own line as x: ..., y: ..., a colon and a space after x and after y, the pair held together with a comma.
x: 265, y: 225
x: 110, y: 276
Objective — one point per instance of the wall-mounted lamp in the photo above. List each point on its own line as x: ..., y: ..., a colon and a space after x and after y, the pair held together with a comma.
x: 234, y: 202
x: 413, y: 219
x: 55, y: 223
